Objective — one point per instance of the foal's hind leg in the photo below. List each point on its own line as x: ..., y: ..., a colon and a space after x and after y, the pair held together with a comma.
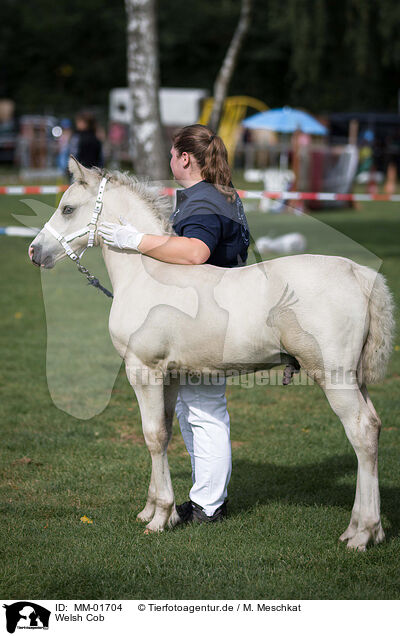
x: 352, y: 528
x: 368, y: 400
x: 170, y: 395
x: 362, y: 427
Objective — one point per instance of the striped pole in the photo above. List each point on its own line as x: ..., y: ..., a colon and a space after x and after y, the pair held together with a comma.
x: 15, y: 230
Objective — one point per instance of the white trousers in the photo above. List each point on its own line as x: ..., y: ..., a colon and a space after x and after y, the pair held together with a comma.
x: 204, y: 422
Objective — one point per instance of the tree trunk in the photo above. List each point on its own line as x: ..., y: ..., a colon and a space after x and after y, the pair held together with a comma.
x: 228, y: 66
x: 150, y: 158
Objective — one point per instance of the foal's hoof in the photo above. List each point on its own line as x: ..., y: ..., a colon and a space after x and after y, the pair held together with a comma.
x: 360, y: 540
x: 348, y: 533
x: 145, y: 516
x: 356, y: 546
x: 155, y: 525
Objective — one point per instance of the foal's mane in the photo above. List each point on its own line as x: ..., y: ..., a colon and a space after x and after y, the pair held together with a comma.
x: 159, y: 205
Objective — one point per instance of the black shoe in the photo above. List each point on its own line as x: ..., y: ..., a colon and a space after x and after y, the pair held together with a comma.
x: 192, y: 512
x: 185, y: 512
x: 199, y: 516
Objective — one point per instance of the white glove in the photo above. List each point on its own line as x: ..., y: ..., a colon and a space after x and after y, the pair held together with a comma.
x: 123, y: 236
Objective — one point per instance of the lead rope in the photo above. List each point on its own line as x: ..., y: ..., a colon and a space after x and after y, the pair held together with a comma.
x: 92, y: 280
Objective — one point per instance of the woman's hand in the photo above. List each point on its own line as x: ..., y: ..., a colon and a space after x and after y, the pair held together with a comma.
x: 124, y: 236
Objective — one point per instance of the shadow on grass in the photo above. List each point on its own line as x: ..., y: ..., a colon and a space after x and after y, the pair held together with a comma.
x: 306, y: 485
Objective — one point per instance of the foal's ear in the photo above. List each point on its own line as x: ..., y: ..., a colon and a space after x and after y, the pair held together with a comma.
x: 80, y: 173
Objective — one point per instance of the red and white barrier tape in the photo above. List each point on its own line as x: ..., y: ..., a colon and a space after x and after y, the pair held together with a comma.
x: 47, y: 189
x: 244, y: 194
x: 316, y: 196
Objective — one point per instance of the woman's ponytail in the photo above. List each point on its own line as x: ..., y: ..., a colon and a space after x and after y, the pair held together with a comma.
x: 216, y: 168
x: 211, y: 155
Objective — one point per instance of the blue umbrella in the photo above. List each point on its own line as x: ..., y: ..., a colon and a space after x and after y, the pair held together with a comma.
x: 285, y: 120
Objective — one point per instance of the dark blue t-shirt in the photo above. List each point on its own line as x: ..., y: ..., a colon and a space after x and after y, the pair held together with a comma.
x: 204, y: 213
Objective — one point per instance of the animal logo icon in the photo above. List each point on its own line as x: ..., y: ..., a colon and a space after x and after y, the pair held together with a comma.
x: 25, y: 614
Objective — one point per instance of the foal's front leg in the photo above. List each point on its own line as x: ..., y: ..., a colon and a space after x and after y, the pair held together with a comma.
x: 156, y: 434
x: 148, y: 511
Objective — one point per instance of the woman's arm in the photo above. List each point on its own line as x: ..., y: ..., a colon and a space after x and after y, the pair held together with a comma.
x: 181, y: 250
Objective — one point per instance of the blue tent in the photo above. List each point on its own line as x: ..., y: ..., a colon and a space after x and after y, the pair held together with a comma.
x: 285, y: 120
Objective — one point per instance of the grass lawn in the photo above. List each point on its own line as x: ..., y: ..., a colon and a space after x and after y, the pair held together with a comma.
x: 293, y: 481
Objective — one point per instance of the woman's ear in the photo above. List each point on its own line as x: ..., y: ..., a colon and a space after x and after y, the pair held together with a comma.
x: 186, y: 159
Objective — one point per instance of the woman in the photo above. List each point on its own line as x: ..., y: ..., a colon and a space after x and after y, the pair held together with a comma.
x: 212, y: 228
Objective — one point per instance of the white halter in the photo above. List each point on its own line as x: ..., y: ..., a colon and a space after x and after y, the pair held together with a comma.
x: 90, y: 228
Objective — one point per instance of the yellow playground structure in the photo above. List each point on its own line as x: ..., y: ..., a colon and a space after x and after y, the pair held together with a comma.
x: 233, y: 112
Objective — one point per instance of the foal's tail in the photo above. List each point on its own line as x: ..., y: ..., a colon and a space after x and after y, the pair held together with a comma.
x: 379, y: 342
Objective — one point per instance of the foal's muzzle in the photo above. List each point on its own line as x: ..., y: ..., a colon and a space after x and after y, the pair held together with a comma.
x: 37, y: 257
x: 34, y: 252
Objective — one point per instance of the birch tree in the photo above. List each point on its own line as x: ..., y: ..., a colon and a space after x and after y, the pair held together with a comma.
x: 143, y: 81
x: 228, y: 66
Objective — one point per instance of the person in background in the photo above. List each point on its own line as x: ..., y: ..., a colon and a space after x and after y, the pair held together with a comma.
x: 85, y: 145
x: 64, y: 143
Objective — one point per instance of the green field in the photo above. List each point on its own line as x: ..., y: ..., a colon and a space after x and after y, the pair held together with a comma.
x: 294, y: 471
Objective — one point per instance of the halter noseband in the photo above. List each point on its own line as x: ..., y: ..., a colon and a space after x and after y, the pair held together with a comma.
x: 90, y: 229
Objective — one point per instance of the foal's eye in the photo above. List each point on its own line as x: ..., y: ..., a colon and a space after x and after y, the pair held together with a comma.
x: 67, y: 209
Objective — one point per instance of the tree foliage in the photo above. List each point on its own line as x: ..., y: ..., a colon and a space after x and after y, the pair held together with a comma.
x: 61, y: 55
x: 317, y: 54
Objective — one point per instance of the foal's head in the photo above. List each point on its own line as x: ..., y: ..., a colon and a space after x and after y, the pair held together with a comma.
x: 73, y: 213
x: 123, y: 195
